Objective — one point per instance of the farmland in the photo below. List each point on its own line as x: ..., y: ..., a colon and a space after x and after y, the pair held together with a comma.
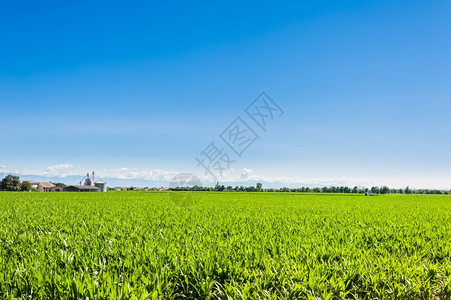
x: 139, y: 245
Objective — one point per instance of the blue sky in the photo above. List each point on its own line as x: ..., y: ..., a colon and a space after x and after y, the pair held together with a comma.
x: 137, y: 89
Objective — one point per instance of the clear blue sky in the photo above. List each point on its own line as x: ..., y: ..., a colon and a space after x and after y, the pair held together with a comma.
x: 146, y: 85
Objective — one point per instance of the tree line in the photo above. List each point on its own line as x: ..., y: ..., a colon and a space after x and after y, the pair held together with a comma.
x: 332, y: 189
x: 13, y: 183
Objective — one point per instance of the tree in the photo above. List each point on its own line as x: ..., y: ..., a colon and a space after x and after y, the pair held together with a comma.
x: 259, y: 186
x: 25, y: 186
x: 375, y: 190
x: 408, y: 190
x: 10, y: 183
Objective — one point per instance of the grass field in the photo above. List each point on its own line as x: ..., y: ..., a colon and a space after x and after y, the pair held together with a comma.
x: 139, y: 245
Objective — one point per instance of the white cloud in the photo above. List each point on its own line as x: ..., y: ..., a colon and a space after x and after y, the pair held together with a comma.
x: 5, y: 169
x: 61, y: 170
x: 246, y: 173
x: 65, y: 170
x: 126, y: 173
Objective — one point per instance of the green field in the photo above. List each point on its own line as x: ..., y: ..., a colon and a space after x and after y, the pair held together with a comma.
x: 139, y: 245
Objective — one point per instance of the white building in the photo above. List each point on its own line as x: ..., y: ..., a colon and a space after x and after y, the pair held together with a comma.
x: 101, y: 185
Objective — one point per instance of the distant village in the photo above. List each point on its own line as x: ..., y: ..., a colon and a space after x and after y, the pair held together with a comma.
x: 89, y: 185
